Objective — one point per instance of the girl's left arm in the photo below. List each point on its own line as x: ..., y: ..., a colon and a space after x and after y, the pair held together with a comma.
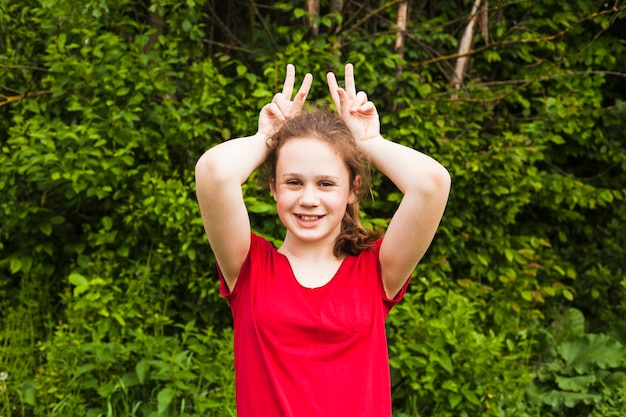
x: 425, y: 185
x: 424, y: 182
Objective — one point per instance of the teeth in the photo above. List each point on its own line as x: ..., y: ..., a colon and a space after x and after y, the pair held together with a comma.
x: 309, y: 218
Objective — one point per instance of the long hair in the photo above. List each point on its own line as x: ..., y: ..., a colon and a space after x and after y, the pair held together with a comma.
x: 326, y: 126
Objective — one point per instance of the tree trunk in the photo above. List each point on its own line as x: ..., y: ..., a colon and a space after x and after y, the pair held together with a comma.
x: 336, y: 6
x: 401, y: 25
x: 465, y: 46
x: 313, y: 8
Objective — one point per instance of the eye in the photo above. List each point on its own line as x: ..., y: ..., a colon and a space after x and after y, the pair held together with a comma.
x: 293, y: 182
x: 326, y: 184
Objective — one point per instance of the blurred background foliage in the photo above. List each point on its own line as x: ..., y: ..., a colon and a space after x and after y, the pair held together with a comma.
x: 109, y: 300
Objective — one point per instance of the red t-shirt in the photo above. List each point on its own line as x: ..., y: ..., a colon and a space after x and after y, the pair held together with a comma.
x: 310, y: 352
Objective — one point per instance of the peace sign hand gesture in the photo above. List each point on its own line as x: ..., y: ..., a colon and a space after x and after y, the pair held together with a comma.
x: 282, y: 108
x: 354, y: 108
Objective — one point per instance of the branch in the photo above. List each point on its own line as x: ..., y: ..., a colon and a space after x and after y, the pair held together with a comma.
x: 367, y: 16
x: 518, y: 41
x: 525, y: 83
x: 26, y: 67
x: 267, y: 30
x: 232, y: 47
x: 12, y: 99
x: 223, y: 27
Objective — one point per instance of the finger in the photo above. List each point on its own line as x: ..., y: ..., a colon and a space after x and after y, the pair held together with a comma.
x: 366, y: 108
x: 333, y: 87
x: 349, y: 77
x: 301, y: 95
x: 344, y: 103
x: 273, y: 110
x: 282, y: 103
x: 361, y: 98
x: 290, y: 77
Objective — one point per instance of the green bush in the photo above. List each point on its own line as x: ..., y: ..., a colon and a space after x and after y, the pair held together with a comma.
x: 579, y: 373
x: 109, y: 300
x: 446, y: 362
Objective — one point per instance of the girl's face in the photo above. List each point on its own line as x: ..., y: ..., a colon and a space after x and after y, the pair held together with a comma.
x: 312, y: 189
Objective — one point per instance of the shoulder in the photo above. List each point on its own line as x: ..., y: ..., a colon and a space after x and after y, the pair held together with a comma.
x: 366, y: 262
x: 260, y: 257
x: 370, y: 265
x: 373, y: 251
x: 259, y: 245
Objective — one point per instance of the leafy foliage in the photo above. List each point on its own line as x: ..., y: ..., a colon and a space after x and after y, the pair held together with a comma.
x: 108, y: 294
x: 583, y: 372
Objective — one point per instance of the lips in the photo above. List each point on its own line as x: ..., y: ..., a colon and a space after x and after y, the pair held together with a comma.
x: 308, y: 218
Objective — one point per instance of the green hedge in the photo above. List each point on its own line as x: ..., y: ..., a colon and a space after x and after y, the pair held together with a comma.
x: 109, y: 300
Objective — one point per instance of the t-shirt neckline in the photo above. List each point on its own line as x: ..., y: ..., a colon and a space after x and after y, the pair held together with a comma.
x: 312, y: 290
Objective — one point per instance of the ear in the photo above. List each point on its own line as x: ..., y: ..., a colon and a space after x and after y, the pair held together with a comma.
x: 354, y: 190
x: 273, y: 188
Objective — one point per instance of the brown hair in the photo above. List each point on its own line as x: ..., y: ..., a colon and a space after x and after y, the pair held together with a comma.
x: 326, y: 126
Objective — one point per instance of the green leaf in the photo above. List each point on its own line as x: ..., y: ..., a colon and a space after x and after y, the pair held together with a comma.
x: 46, y: 228
x: 444, y: 360
x: 78, y: 280
x: 107, y: 222
x: 454, y: 399
x: 557, y: 399
x: 574, y: 322
x: 435, y: 292
x: 29, y: 393
x: 568, y: 295
x: 164, y: 399
x: 576, y: 383
x: 142, y: 369
x: 15, y: 265
x: 592, y: 351
x: 123, y: 251
x: 470, y: 396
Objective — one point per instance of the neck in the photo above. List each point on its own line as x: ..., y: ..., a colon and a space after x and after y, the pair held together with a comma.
x: 312, y: 251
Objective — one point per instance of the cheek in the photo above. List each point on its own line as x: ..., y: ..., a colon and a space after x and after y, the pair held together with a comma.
x: 283, y: 201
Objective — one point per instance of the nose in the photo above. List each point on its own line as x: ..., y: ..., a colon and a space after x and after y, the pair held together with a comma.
x: 309, y: 196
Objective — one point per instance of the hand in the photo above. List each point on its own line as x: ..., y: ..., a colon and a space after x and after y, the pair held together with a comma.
x: 282, y: 107
x: 354, y: 108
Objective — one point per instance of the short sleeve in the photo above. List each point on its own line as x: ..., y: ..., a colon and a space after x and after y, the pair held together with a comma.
x: 229, y: 293
x: 389, y: 302
x: 395, y: 300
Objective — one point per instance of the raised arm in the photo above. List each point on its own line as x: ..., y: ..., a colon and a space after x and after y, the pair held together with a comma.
x: 221, y: 171
x: 424, y: 183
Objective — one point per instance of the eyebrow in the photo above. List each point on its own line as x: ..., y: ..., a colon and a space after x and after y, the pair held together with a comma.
x: 317, y: 177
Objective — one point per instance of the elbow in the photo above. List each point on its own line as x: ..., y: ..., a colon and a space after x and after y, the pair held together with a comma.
x: 210, y: 169
x: 434, y: 183
x: 441, y: 179
x: 435, y: 189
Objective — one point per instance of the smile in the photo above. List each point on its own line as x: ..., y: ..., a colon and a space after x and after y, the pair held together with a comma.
x: 309, y: 218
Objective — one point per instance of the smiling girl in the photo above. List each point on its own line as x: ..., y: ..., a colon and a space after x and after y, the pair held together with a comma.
x: 309, y: 316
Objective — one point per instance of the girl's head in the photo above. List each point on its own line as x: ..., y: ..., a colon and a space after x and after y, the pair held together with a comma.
x: 330, y: 129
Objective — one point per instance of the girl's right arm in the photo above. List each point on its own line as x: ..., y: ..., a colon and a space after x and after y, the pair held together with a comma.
x: 222, y: 170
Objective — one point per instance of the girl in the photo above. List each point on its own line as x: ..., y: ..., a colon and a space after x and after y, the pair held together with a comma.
x: 309, y: 317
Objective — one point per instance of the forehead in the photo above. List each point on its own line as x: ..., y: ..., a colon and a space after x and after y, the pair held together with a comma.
x: 309, y: 153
